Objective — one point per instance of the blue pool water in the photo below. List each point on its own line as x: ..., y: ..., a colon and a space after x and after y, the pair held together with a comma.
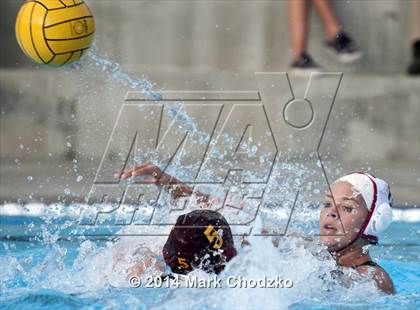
x: 66, y: 274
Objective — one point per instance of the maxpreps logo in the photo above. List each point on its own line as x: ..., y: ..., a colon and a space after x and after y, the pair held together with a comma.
x: 223, y: 143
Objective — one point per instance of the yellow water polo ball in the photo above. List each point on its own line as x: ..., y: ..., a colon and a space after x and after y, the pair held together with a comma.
x: 54, y: 32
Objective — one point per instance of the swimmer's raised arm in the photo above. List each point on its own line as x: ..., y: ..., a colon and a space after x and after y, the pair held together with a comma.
x: 155, y: 175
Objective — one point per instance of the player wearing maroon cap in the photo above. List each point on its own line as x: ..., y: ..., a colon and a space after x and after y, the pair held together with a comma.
x: 200, y: 239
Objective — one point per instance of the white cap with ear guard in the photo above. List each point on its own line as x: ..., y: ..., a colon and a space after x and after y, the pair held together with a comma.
x: 378, y: 198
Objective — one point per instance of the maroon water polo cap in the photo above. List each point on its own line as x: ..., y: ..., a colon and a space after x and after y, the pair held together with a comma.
x: 201, y: 239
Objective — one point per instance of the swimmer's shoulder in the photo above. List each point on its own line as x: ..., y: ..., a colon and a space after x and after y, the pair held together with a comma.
x: 379, y: 275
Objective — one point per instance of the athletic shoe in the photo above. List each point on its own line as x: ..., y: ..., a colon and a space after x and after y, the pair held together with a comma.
x: 414, y: 67
x: 344, y: 48
x: 304, y: 65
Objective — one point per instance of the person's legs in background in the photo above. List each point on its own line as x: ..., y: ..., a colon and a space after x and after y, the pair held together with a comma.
x: 298, y: 26
x: 330, y: 21
x: 298, y: 12
x: 414, y: 67
x: 338, y: 41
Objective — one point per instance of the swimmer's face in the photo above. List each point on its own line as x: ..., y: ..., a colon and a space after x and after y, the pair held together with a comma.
x: 340, y: 223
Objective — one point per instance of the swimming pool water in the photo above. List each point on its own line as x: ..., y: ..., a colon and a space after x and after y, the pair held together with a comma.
x: 75, y: 273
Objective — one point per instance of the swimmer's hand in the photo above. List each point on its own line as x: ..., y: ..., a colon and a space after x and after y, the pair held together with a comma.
x: 245, y: 242
x: 140, y: 267
x: 275, y: 236
x: 300, y: 235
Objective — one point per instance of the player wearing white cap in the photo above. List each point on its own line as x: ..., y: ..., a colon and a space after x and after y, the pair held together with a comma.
x: 356, y: 210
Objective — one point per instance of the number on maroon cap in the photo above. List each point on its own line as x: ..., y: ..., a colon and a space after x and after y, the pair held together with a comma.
x: 211, y: 235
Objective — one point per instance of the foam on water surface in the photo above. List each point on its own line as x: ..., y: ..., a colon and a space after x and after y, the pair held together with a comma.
x: 52, y: 272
